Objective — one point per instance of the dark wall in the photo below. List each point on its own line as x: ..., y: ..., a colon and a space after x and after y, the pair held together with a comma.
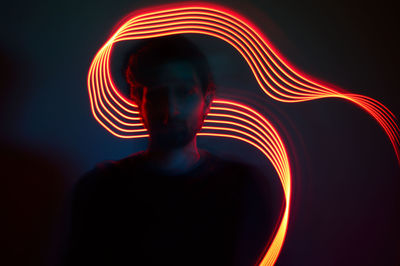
x: 346, y: 186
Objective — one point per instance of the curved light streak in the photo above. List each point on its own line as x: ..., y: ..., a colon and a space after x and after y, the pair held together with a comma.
x: 275, y: 76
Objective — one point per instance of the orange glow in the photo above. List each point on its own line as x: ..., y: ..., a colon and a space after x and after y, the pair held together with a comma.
x: 274, y: 74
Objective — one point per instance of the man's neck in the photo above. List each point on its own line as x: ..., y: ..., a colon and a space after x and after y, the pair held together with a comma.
x: 174, y: 161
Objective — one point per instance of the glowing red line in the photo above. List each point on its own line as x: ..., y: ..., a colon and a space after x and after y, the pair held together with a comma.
x: 187, y: 23
x: 232, y: 21
x: 240, y: 20
x: 110, y: 94
x: 342, y: 97
x: 172, y: 30
x: 266, y: 123
x: 274, y: 141
x: 219, y: 22
x: 329, y: 92
x: 101, y: 103
x: 274, y: 161
x: 271, y: 156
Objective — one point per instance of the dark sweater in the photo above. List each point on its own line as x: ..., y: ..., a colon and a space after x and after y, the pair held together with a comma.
x: 127, y: 213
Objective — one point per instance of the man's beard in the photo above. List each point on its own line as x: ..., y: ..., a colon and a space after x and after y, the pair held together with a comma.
x: 174, y: 138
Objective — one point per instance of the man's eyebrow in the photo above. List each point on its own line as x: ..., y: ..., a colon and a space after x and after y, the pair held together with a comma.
x: 154, y: 86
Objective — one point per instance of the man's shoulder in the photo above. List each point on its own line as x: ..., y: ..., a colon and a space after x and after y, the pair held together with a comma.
x: 93, y: 178
x: 233, y: 169
x: 239, y: 166
x: 227, y: 161
x: 254, y: 177
x: 106, y: 169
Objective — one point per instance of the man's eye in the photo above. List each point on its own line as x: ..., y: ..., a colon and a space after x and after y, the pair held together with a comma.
x: 154, y: 97
x: 151, y: 95
x: 185, y: 92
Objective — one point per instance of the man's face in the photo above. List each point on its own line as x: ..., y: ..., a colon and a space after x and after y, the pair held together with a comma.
x: 173, y: 105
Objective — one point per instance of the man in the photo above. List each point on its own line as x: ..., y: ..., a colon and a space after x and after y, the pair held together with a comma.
x: 172, y: 204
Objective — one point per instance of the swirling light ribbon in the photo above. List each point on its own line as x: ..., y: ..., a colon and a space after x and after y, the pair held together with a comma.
x: 276, y: 77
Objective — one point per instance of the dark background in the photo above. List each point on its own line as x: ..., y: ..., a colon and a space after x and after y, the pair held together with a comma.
x: 346, y: 185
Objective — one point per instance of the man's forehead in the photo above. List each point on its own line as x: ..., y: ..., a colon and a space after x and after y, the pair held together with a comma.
x: 179, y: 72
x: 178, y: 68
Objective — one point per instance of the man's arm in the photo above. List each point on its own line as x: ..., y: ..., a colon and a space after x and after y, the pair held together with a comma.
x: 81, y: 236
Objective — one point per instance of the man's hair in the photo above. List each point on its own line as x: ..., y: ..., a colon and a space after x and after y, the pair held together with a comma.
x: 153, y: 52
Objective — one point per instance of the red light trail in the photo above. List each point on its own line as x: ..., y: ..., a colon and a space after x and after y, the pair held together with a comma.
x: 276, y: 77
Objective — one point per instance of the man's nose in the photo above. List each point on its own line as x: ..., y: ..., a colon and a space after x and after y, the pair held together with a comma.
x: 172, y: 109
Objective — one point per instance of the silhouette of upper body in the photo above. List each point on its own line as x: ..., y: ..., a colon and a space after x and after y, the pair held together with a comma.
x: 127, y: 212
x: 171, y: 204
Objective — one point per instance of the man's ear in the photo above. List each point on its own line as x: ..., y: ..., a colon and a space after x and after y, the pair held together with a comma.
x: 139, y: 104
x: 208, y: 98
x: 135, y: 98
